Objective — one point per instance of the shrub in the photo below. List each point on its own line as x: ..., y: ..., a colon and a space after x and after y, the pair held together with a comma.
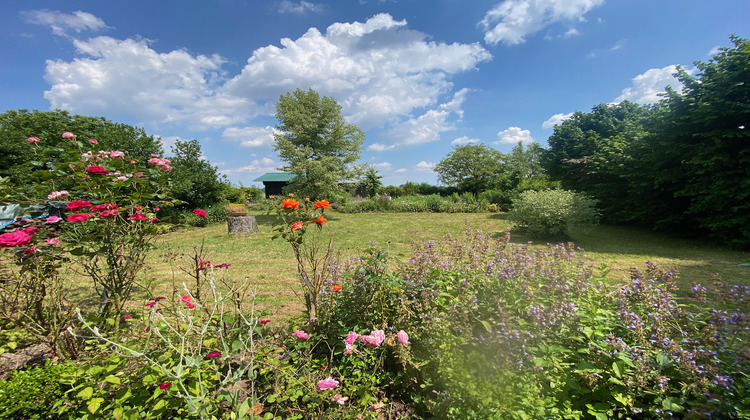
x: 554, y: 212
x: 29, y: 394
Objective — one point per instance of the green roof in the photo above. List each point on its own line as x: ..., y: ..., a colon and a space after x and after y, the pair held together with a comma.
x: 275, y: 177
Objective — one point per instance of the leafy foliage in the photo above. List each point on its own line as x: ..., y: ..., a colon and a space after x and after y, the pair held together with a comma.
x: 195, y: 181
x: 554, y: 212
x: 316, y: 143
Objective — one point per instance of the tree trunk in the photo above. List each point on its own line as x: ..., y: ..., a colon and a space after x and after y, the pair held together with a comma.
x: 242, y: 224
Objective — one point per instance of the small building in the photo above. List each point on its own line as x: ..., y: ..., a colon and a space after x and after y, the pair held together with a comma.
x: 274, y: 182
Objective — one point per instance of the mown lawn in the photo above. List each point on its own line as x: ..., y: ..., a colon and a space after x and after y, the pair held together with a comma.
x: 271, y: 264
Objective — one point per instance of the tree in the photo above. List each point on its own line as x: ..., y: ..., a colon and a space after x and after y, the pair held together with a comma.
x: 473, y: 168
x: 699, y: 156
x: 372, y: 182
x: 19, y: 158
x: 318, y: 146
x: 195, y: 181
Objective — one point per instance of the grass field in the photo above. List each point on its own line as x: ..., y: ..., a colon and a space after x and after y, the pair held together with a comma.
x: 271, y: 263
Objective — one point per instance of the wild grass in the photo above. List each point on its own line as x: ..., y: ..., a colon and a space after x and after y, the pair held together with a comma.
x: 271, y: 264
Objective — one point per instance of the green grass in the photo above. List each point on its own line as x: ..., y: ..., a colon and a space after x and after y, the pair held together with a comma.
x: 271, y: 263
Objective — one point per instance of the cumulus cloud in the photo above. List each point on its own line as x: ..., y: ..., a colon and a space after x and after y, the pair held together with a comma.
x: 555, y: 119
x: 251, y: 136
x: 464, y: 140
x: 381, y: 166
x: 300, y: 8
x: 129, y: 77
x: 512, y: 20
x: 427, y: 127
x: 380, y: 147
x: 64, y: 23
x: 257, y: 165
x: 425, y: 166
x: 513, y: 135
x: 379, y: 71
x: 647, y: 86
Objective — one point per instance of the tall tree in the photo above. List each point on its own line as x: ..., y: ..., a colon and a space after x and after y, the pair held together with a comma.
x: 473, y: 168
x: 195, y: 180
x: 19, y: 158
x: 700, y: 154
x: 315, y: 141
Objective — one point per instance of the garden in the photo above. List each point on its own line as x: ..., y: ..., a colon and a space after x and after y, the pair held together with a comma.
x: 422, y: 310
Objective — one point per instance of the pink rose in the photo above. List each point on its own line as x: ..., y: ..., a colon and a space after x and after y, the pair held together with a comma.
x: 328, y: 383
x: 33, y: 139
x: 338, y: 399
x: 14, y: 239
x: 301, y: 334
x: 403, y: 337
x: 185, y: 299
x: 68, y: 135
x: 52, y: 219
x: 138, y: 217
x: 116, y: 154
x: 200, y: 213
x: 93, y: 141
x: 351, y: 338
x: 52, y: 241
x: 57, y: 194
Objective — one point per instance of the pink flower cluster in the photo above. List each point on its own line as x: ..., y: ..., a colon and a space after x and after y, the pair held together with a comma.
x: 54, y: 195
x: 375, y: 339
x: 162, y: 164
x: 301, y: 334
x: 101, y: 155
x: 328, y: 383
x: 187, y: 300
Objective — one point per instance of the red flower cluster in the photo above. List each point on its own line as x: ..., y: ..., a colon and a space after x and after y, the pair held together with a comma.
x: 78, y: 217
x: 97, y: 170
x: 79, y: 204
x: 138, y: 216
x: 320, y: 220
x: 200, y: 213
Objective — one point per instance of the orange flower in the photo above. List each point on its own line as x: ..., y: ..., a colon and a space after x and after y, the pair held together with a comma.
x: 322, y: 204
x: 289, y: 203
x: 270, y: 196
x: 337, y: 287
x: 291, y: 194
x: 320, y: 220
x: 297, y: 226
x: 307, y: 199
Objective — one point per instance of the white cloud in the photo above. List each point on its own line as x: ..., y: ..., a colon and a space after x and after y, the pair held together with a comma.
x: 425, y: 166
x: 257, y: 165
x: 427, y: 127
x: 715, y: 50
x: 380, y: 147
x: 400, y: 171
x: 167, y: 142
x: 128, y: 77
x: 377, y: 70
x: 513, y: 135
x: 464, y: 140
x: 571, y: 33
x: 250, y: 136
x: 647, y: 86
x: 512, y: 20
x: 64, y: 23
x: 302, y: 7
x: 555, y: 119
x: 381, y: 165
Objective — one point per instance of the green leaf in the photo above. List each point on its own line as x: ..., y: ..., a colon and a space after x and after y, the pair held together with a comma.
x: 85, y: 393
x: 117, y: 413
x: 112, y: 379
x: 94, y: 404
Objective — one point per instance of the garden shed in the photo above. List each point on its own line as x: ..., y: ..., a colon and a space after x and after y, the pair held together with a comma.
x: 274, y: 182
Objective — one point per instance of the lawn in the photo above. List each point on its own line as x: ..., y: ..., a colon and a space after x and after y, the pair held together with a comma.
x: 271, y: 263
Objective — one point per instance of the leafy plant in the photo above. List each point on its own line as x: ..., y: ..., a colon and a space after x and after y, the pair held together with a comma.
x: 554, y: 212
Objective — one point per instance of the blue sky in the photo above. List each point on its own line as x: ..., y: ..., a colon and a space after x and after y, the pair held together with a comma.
x: 418, y: 76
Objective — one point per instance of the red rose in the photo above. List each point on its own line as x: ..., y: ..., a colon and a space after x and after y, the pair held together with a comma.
x: 97, y: 170
x: 138, y: 217
x: 78, y: 217
x: 76, y: 205
x: 200, y: 213
x: 297, y: 226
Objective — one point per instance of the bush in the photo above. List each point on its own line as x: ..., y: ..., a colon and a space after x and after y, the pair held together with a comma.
x: 29, y: 394
x: 554, y: 212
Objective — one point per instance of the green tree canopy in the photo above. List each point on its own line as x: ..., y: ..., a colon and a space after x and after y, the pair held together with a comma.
x: 473, y: 168
x: 316, y: 143
x: 19, y: 158
x: 195, y: 180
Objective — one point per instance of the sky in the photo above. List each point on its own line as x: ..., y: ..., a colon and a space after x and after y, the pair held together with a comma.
x: 417, y: 76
